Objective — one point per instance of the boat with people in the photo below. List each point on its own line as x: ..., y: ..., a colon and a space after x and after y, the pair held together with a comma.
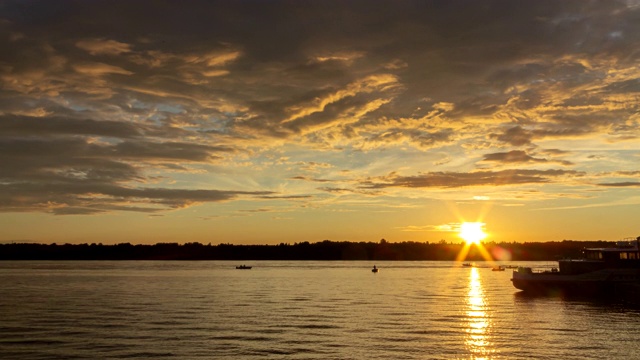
x: 375, y: 269
x: 601, y: 271
x: 243, y: 267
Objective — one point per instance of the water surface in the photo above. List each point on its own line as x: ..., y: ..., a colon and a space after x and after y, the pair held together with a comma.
x: 296, y: 310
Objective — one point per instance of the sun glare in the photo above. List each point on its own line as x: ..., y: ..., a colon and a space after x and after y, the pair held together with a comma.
x: 472, y: 232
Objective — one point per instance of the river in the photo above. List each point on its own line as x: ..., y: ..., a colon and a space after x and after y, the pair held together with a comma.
x: 297, y: 310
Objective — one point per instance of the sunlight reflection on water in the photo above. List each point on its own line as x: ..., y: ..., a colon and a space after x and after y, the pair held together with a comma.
x: 479, y: 323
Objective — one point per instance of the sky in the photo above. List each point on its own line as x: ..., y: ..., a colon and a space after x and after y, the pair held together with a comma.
x: 267, y: 122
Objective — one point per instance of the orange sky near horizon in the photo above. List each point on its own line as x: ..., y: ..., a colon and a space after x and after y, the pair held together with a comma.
x: 265, y: 122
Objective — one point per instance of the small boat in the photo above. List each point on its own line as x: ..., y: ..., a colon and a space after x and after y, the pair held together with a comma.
x: 601, y: 271
x: 243, y: 267
x: 467, y: 264
x: 375, y: 269
x: 497, y: 268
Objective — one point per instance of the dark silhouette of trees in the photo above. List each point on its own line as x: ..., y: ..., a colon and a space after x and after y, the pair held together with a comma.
x: 324, y: 250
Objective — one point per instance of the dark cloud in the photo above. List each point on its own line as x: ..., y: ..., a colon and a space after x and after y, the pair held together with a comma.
x: 516, y: 136
x: 99, y: 99
x: 167, y: 151
x: 357, y: 190
x: 89, y: 197
x: 518, y: 156
x: 461, y: 52
x: 11, y: 125
x: 514, y: 156
x: 68, y: 153
x: 301, y: 177
x: 622, y: 184
x: 478, y: 178
x: 285, y: 197
x: 68, y: 166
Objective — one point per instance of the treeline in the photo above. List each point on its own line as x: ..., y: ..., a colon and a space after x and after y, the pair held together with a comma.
x: 325, y: 250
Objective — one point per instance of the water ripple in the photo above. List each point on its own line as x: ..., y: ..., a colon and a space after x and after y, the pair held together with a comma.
x: 298, y: 310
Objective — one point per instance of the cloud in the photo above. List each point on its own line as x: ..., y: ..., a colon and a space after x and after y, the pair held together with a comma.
x: 69, y: 166
x: 99, y: 69
x: 103, y: 46
x: 301, y: 177
x: 261, y: 210
x: 285, y: 197
x: 628, y: 173
x: 423, y: 139
x: 485, y: 75
x: 57, y: 125
x: 208, y: 95
x: 455, y: 180
x: 369, y: 84
x: 622, y: 184
x: 313, y: 166
x: 90, y: 197
x: 345, y: 56
x: 214, y: 58
x: 518, y: 156
x: 515, y: 136
x: 335, y: 190
x: 67, y: 150
x: 166, y: 150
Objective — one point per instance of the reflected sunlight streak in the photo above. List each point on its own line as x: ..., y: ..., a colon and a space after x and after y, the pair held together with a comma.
x: 477, y: 339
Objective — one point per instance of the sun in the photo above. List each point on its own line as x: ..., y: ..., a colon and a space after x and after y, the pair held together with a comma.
x: 472, y: 232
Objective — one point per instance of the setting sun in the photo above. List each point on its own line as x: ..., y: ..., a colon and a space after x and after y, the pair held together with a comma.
x: 472, y: 232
